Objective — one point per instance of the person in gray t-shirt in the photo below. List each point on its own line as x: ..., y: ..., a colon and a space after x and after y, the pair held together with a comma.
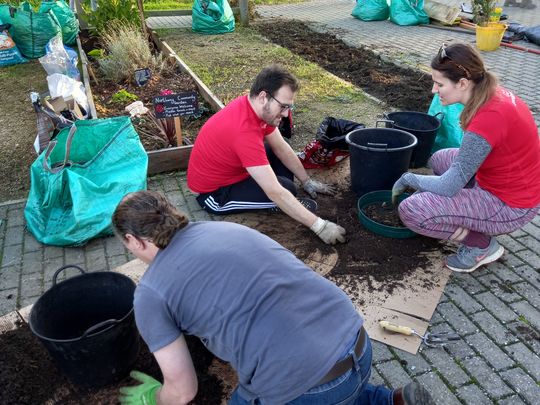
x: 290, y: 334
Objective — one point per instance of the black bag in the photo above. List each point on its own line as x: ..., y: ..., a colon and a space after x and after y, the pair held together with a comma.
x: 286, y: 126
x: 332, y: 131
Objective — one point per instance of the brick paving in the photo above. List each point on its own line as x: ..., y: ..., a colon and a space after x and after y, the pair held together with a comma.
x: 496, y: 309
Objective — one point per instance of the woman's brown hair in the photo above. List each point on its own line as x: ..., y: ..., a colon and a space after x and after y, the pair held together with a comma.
x: 148, y: 215
x: 459, y: 61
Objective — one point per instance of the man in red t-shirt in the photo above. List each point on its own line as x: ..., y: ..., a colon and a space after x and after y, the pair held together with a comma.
x: 241, y: 162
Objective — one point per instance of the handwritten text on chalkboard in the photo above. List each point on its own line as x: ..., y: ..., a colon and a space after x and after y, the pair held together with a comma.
x: 176, y: 105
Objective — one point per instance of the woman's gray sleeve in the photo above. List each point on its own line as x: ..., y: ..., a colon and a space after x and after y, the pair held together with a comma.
x: 472, y: 153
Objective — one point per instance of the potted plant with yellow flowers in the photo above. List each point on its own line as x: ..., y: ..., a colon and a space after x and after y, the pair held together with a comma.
x: 489, y: 31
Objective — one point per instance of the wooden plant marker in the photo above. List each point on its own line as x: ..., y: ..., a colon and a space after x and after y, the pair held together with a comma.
x: 178, y: 130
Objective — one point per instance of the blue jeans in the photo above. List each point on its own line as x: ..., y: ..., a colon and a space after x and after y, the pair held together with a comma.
x: 352, y: 388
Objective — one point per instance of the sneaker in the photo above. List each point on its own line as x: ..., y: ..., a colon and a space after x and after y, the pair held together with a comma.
x: 412, y: 394
x: 310, y: 204
x: 468, y: 259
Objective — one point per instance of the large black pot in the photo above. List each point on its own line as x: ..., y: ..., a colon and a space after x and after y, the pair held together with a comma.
x: 88, y: 326
x: 379, y: 156
x: 423, y: 126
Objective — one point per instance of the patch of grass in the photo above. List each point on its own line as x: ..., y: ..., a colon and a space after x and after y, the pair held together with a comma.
x: 187, y: 5
x: 18, y: 126
x: 167, y: 5
x: 524, y: 320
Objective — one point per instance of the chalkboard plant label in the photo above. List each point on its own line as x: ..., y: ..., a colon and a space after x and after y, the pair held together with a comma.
x: 142, y: 76
x: 176, y: 105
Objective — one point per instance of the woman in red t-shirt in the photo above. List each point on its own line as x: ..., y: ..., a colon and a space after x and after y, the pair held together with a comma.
x: 491, y: 184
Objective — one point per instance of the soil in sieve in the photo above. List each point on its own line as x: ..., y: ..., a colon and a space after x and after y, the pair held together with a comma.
x: 29, y: 376
x: 385, y: 214
x: 399, y: 87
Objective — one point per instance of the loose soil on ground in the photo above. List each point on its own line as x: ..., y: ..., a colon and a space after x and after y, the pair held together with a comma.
x: 29, y: 376
x: 401, y: 88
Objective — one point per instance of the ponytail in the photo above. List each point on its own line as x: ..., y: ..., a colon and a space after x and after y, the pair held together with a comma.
x: 148, y: 215
x: 458, y: 61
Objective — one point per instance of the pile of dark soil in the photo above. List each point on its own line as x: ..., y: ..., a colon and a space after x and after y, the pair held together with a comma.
x: 399, y: 87
x: 29, y: 376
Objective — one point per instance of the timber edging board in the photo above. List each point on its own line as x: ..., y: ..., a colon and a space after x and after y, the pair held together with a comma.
x: 167, y: 159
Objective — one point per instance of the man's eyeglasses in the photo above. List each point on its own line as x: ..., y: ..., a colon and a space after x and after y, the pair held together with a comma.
x: 284, y: 107
x: 442, y: 55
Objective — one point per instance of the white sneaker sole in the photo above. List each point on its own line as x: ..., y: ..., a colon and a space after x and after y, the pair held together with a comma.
x: 488, y: 259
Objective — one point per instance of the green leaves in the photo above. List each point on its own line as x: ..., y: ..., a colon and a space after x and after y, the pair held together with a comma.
x: 107, y: 11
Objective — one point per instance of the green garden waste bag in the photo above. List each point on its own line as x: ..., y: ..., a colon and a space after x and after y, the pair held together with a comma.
x: 371, y: 10
x: 31, y: 31
x: 450, y: 133
x: 66, y: 18
x: 79, y: 179
x: 212, y: 17
x: 408, y: 12
x: 7, y: 13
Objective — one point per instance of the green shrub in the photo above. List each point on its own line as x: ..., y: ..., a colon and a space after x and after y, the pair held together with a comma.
x: 126, y: 51
x: 123, y: 97
x: 110, y: 11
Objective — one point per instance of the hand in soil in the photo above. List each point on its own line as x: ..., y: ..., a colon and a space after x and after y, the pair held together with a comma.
x: 329, y: 232
x: 144, y: 393
x: 312, y: 187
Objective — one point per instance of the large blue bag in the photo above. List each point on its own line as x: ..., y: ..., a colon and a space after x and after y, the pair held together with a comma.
x: 212, y: 17
x: 450, y: 133
x: 78, y: 181
x: 371, y: 10
x: 66, y: 17
x: 30, y: 30
x: 408, y: 12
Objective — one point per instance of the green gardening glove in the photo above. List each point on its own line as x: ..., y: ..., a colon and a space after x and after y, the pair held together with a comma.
x: 142, y: 394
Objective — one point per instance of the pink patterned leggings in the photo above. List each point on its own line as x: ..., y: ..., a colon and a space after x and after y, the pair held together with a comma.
x: 451, y: 218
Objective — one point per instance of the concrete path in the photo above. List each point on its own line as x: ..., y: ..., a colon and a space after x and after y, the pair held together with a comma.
x: 496, y: 310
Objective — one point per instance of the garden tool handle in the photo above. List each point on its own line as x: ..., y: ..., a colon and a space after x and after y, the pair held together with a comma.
x: 99, y: 325
x: 441, y: 114
x: 386, y: 121
x: 51, y: 147
x: 377, y: 145
x: 61, y: 269
x: 404, y: 330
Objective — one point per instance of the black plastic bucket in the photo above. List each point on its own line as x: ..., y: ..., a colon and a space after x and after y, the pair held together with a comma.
x: 379, y: 156
x: 88, y: 326
x: 423, y: 126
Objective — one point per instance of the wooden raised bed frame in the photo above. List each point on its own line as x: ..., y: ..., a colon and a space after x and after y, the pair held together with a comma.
x: 167, y: 159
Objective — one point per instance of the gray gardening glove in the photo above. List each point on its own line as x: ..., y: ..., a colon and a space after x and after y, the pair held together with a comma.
x: 329, y: 232
x: 399, y: 188
x: 312, y: 187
